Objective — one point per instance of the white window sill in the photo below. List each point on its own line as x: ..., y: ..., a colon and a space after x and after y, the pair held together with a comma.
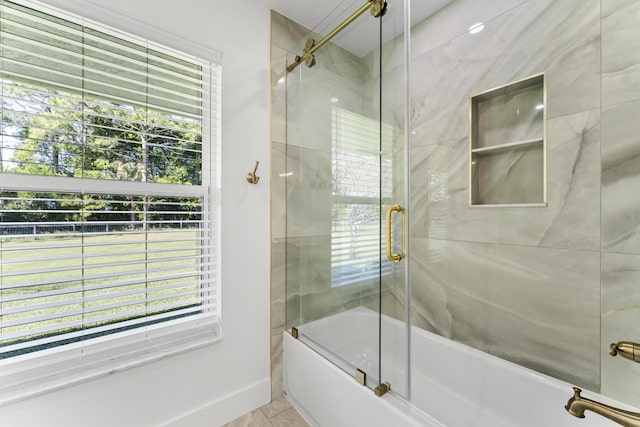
x: 38, y: 373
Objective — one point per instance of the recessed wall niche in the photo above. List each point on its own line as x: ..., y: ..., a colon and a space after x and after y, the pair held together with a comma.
x: 507, y: 153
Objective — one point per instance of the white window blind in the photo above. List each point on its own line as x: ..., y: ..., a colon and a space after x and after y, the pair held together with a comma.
x: 109, y: 182
x: 361, y: 182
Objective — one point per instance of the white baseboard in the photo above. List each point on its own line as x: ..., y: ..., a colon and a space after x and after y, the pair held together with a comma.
x: 225, y: 409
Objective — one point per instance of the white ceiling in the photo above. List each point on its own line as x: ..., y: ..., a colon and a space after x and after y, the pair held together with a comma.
x: 314, y: 14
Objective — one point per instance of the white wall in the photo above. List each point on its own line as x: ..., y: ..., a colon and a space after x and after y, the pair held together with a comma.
x: 212, y: 385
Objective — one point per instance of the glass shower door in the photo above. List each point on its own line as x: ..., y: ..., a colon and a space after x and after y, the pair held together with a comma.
x: 390, y: 97
x: 345, y: 169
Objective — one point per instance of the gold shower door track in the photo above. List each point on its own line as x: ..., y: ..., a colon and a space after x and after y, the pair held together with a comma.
x: 378, y: 9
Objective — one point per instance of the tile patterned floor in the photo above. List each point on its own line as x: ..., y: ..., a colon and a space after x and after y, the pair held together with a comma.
x: 278, y: 413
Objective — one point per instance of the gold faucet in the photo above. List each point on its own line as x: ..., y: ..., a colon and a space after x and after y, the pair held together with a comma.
x: 627, y: 349
x: 577, y: 405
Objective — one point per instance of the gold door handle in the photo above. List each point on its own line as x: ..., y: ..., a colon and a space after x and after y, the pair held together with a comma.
x: 396, y: 257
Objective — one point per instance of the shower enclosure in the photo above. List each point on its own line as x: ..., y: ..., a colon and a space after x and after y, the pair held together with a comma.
x: 346, y: 184
x: 521, y: 224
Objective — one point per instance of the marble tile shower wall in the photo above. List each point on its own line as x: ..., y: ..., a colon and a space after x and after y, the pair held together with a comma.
x: 521, y: 283
x: 620, y: 196
x: 527, y: 284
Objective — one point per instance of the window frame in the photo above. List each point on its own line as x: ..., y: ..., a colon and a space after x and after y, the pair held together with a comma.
x: 35, y: 373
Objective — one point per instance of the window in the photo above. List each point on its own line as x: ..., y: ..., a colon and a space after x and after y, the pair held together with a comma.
x: 358, y: 190
x: 108, y: 185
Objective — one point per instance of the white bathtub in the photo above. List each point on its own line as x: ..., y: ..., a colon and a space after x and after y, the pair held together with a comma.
x: 452, y: 385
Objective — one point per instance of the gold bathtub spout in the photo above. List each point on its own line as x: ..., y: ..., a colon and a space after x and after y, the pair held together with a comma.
x: 627, y: 349
x: 577, y: 405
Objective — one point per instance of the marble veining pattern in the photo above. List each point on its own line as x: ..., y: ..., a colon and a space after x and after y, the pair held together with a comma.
x: 308, y: 200
x: 482, y: 305
x: 278, y: 189
x: 278, y: 95
x: 621, y: 178
x: 439, y: 189
x: 454, y: 21
x: 559, y: 38
x: 571, y: 219
x: 309, y: 106
x: 471, y: 267
x: 509, y: 118
x: 512, y: 176
x: 620, y: 51
x: 620, y: 314
x: 285, y: 33
x: 440, y: 199
x: 278, y: 285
